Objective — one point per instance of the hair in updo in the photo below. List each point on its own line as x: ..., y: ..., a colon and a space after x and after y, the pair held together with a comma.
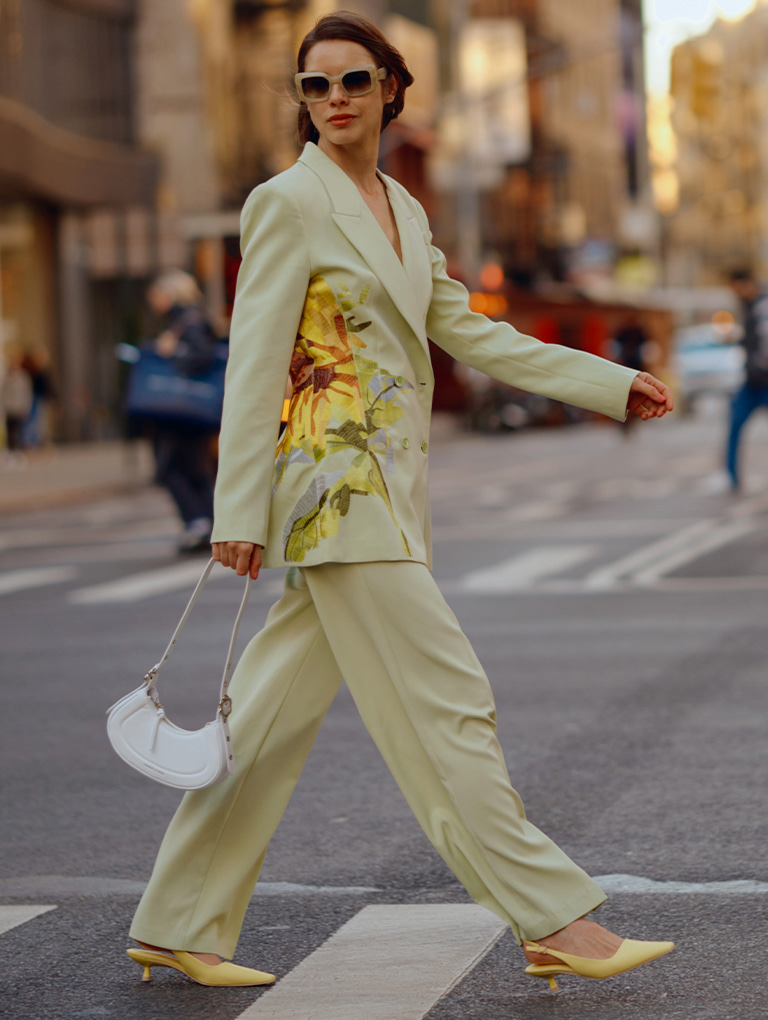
x: 355, y: 28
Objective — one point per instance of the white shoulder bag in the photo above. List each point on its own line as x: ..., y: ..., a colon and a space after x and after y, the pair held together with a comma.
x: 145, y: 738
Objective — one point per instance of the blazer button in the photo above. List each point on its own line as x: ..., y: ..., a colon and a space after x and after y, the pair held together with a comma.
x: 399, y: 381
x: 405, y: 442
x: 424, y: 447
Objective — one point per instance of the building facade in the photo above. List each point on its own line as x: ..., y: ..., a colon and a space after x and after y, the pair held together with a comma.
x: 68, y: 151
x: 583, y: 189
x: 719, y: 89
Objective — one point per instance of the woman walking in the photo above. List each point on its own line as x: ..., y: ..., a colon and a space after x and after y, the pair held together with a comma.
x: 340, y: 287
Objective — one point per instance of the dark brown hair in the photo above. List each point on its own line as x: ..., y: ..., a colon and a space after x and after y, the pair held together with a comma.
x: 355, y: 28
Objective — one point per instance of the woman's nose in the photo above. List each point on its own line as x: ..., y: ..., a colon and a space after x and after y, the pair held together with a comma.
x: 338, y: 95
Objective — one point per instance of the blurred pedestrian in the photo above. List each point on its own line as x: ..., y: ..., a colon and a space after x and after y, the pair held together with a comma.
x: 16, y: 399
x: 630, y: 340
x: 340, y: 286
x: 629, y: 345
x: 38, y: 365
x: 753, y: 392
x: 183, y: 458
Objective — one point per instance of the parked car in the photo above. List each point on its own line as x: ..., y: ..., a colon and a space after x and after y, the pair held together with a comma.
x: 493, y: 406
x: 706, y: 361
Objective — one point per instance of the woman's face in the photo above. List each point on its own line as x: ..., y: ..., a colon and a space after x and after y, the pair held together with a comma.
x: 343, y: 120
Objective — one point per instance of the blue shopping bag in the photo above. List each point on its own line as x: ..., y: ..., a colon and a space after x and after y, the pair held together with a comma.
x: 159, y: 393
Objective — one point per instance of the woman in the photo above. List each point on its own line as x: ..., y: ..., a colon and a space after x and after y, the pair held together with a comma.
x: 340, y: 286
x: 183, y: 463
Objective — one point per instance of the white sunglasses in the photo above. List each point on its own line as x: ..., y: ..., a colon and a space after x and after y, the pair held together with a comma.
x: 314, y: 86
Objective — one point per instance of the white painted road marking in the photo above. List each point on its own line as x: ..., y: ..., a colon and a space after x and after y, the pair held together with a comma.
x: 50, y: 886
x: 143, y: 585
x: 54, y: 886
x: 646, y: 566
x: 635, y: 884
x: 720, y: 536
x: 537, y: 510
x: 523, y: 570
x: 609, y: 575
x: 21, y: 538
x: 292, y: 889
x: 34, y: 577
x: 387, y: 963
x: 13, y: 916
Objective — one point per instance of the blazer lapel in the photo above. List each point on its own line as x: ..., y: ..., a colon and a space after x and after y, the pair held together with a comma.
x: 358, y: 224
x: 416, y: 261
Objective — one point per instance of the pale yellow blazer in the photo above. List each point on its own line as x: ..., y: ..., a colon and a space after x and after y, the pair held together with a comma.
x: 321, y: 294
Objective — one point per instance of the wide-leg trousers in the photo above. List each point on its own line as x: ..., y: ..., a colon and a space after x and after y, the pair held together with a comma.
x: 386, y: 630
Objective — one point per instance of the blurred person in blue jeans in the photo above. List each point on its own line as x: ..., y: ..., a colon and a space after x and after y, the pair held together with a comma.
x: 754, y: 391
x: 38, y: 365
x: 183, y: 460
x: 16, y: 402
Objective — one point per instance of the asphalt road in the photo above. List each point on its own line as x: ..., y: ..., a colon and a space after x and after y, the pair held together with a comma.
x: 618, y: 604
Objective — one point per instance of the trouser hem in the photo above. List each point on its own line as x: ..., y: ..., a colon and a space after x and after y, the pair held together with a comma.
x: 180, y: 942
x: 554, y: 921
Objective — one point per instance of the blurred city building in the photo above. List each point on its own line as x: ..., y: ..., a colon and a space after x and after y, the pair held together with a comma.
x: 77, y: 190
x: 719, y: 217
x: 567, y: 195
x: 131, y: 132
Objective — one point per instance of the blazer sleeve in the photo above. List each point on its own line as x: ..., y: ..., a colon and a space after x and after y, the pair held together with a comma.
x: 271, y: 288
x: 499, y: 350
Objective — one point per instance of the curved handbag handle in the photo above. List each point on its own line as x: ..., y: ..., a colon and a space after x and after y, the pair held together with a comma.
x: 225, y: 703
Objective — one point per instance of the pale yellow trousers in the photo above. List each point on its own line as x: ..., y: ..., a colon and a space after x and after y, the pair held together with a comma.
x: 424, y: 698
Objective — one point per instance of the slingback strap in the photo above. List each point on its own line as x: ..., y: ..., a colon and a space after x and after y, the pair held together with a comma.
x: 225, y: 702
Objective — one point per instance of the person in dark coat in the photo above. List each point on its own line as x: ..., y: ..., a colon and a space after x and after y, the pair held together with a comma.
x: 183, y: 461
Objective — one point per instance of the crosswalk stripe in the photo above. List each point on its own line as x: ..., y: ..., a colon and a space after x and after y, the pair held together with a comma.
x: 143, y: 585
x: 647, y: 565
x: 523, y: 570
x: 607, y: 576
x: 724, y: 534
x: 537, y: 510
x: 54, y: 886
x: 386, y: 963
x: 635, y: 884
x: 13, y: 916
x: 34, y: 577
x: 24, y: 538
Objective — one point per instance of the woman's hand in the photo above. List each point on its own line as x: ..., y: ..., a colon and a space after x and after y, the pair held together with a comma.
x: 648, y: 397
x: 243, y: 557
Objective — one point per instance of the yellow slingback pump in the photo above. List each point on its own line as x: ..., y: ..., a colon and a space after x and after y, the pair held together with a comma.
x: 630, y: 953
x: 221, y: 974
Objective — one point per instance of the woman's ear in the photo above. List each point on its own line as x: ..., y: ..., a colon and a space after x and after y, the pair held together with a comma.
x: 390, y: 88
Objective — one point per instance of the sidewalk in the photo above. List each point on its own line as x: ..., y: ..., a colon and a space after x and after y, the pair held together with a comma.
x: 83, y: 471
x: 74, y: 474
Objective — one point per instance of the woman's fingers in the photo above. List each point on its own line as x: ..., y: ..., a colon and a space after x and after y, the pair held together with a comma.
x: 256, y: 561
x: 649, y: 397
x: 242, y: 557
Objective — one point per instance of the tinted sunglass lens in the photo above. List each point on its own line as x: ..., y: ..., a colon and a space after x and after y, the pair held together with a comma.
x: 315, y: 88
x: 357, y: 83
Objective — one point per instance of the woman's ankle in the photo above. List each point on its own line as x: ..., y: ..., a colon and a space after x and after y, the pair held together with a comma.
x: 579, y: 938
x: 211, y: 959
